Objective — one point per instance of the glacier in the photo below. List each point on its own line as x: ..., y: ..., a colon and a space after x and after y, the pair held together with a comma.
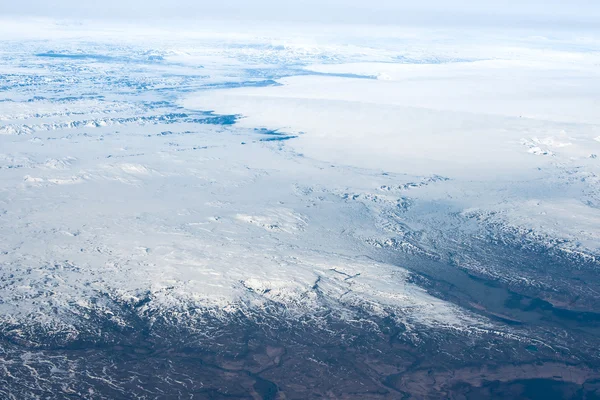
x: 209, y: 214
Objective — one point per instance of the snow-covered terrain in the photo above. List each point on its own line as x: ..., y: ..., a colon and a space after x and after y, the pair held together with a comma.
x: 435, y: 195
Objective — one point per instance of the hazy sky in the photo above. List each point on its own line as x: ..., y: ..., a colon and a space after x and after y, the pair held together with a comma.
x: 560, y: 12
